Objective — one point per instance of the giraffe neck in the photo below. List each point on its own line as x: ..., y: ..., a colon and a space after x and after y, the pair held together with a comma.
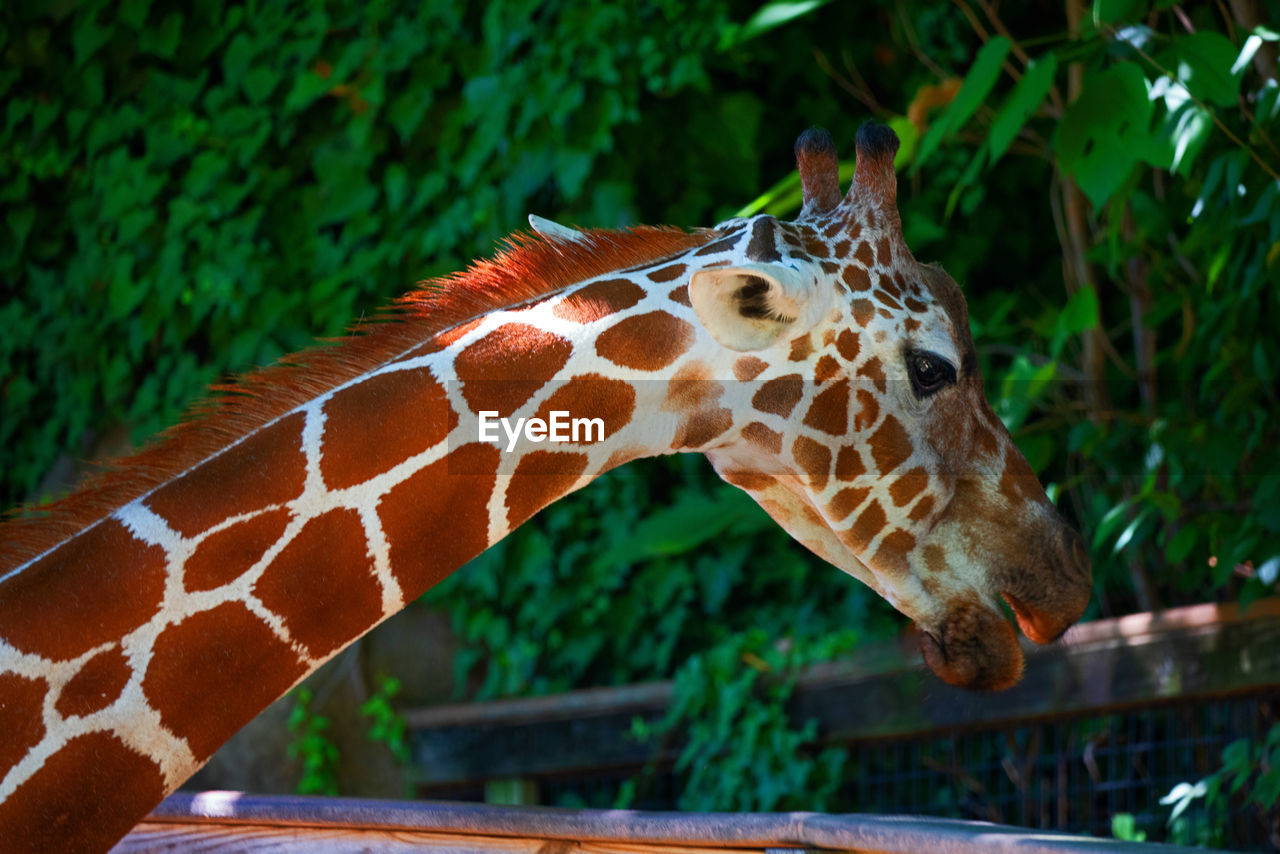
x: 189, y: 609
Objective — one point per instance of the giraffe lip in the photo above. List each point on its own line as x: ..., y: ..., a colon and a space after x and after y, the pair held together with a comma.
x: 974, y: 648
x: 1036, y: 625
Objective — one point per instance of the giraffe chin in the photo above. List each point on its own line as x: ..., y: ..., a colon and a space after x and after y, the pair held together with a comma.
x: 975, y: 648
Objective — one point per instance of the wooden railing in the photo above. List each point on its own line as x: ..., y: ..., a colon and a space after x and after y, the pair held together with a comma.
x: 231, y: 821
x: 885, y: 692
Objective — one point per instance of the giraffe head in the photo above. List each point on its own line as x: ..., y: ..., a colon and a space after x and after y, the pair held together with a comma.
x: 867, y: 434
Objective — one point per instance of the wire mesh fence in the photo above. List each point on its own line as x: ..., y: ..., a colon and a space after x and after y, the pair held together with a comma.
x: 1073, y: 774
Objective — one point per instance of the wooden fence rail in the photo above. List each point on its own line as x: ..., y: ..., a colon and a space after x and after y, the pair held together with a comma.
x: 1100, y: 667
x: 232, y: 821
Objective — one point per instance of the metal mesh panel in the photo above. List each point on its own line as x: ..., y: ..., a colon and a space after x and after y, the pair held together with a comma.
x: 1068, y: 774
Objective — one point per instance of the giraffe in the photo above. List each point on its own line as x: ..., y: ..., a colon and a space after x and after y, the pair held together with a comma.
x: 816, y: 363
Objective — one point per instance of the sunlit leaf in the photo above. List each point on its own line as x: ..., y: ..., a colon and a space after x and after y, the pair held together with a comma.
x: 774, y: 14
x: 1205, y: 63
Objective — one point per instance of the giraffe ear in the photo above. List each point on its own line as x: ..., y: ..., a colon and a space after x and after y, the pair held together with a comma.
x: 752, y: 306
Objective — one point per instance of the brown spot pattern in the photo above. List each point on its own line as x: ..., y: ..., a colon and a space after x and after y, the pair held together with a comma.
x: 922, y: 509
x: 106, y: 584
x: 847, y: 345
x: 814, y: 459
x: 503, y: 370
x: 779, y: 395
x: 225, y: 652
x: 21, y: 717
x: 722, y: 245
x: 889, y: 301
x: 846, y: 501
x: 646, y: 342
x: 863, y: 312
x: 856, y: 278
x: 700, y: 428
x: 868, y: 411
x: 666, y: 274
x: 381, y: 422
x: 1019, y: 483
x: 907, y: 486
x: 97, y: 684
x: 600, y: 299
x: 891, y: 557
x: 223, y: 557
x: 864, y: 255
x: 93, y: 791
x: 874, y: 372
x: 752, y: 481
x: 884, y: 251
x: 593, y: 396
x: 540, y: 478
x: 691, y: 387
x: 829, y: 411
x: 870, y: 522
x: 438, y: 519
x: 680, y: 295
x: 801, y: 348
x: 826, y: 368
x: 761, y: 436
x: 266, y: 468
x: 322, y: 583
x: 849, y: 463
x: 890, y: 445
x: 763, y: 245
x: 935, y: 559
x: 747, y: 368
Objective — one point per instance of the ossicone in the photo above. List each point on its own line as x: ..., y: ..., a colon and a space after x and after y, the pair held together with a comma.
x: 873, y: 176
x: 819, y: 171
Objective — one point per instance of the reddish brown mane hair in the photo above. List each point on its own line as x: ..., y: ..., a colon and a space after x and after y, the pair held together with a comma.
x: 525, y: 269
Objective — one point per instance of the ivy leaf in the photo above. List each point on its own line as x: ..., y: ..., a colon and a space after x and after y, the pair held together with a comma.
x: 1021, y: 103
x: 87, y: 37
x: 162, y: 40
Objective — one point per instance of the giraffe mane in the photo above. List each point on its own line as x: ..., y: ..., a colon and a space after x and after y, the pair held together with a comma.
x: 525, y: 269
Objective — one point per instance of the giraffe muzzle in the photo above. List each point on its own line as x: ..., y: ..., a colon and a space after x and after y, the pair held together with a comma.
x: 975, y: 647
x: 1048, y: 603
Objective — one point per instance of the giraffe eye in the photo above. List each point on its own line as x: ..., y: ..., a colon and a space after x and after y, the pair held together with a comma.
x: 929, y: 372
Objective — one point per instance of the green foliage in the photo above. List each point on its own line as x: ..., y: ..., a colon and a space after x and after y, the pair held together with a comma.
x: 1249, y: 777
x: 1169, y: 452
x: 190, y: 190
x: 313, y: 747
x: 195, y: 189
x: 742, y: 750
x: 386, y: 724
x: 1124, y: 826
x: 624, y: 581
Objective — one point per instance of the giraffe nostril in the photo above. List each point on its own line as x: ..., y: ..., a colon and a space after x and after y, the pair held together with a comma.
x: 1075, y: 552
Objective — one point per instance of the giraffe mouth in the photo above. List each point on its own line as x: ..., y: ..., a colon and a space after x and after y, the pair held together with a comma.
x: 975, y: 647
x: 1036, y: 625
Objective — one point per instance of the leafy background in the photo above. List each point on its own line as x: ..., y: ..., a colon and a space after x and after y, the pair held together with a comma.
x: 190, y: 190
